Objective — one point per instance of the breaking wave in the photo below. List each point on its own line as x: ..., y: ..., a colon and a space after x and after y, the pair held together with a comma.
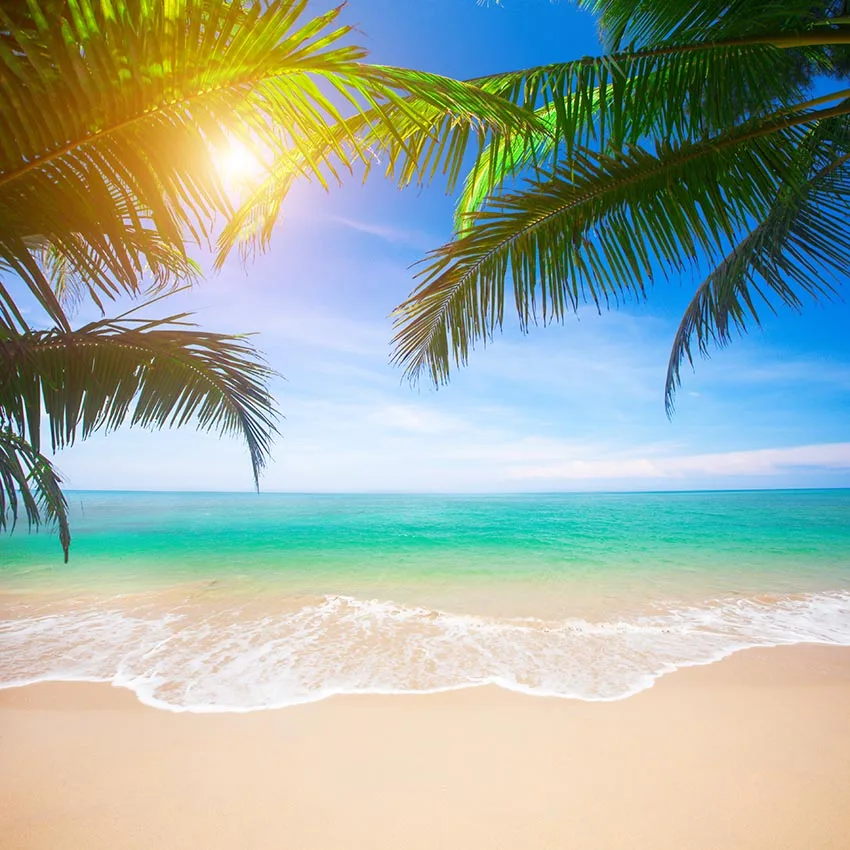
x: 194, y: 659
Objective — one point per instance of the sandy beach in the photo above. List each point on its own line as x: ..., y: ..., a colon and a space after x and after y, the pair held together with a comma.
x: 751, y: 752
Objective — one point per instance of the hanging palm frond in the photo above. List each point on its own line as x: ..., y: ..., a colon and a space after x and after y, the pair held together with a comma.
x: 152, y: 373
x: 722, y: 91
x: 111, y: 115
x: 795, y: 250
x: 594, y: 232
x: 28, y: 478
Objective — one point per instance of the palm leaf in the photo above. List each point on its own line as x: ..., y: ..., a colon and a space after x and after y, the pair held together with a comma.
x: 506, y: 157
x: 646, y: 22
x: 679, y: 93
x: 418, y: 126
x: 168, y: 270
x: 29, y: 478
x: 701, y: 68
x: 110, y: 115
x: 151, y: 373
x: 593, y: 230
x: 795, y: 249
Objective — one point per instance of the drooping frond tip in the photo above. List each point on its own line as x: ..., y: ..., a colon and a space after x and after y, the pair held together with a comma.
x: 28, y: 478
x: 152, y: 373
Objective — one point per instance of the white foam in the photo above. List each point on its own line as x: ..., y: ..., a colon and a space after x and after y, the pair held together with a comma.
x: 217, y: 660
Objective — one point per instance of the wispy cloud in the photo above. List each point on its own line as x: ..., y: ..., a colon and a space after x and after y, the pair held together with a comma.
x: 418, y: 239
x: 760, y: 462
x: 417, y: 419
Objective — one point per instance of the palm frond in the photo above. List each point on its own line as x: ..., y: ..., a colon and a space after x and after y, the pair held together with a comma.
x: 416, y: 125
x: 152, y: 373
x: 682, y: 92
x: 592, y: 230
x: 676, y: 90
x: 28, y: 478
x: 504, y: 158
x: 110, y: 115
x: 614, y: 101
x: 646, y: 22
x: 794, y: 250
x: 168, y: 269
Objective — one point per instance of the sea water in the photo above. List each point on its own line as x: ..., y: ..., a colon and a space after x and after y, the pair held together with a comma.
x: 238, y: 602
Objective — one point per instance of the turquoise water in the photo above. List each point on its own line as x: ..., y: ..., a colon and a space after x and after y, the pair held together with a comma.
x: 146, y: 535
x: 271, y: 599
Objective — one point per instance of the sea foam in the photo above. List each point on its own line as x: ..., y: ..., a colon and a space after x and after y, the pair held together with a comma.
x: 224, y: 659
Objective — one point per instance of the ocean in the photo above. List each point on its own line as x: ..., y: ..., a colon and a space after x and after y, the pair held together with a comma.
x: 237, y: 602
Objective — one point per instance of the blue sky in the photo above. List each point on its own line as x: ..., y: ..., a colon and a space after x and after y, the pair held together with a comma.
x: 573, y: 407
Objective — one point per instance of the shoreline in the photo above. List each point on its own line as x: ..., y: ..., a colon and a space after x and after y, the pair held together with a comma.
x: 752, y: 751
x: 494, y: 685
x: 209, y: 654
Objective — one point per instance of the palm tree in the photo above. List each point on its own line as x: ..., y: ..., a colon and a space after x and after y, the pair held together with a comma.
x: 111, y: 116
x: 711, y: 131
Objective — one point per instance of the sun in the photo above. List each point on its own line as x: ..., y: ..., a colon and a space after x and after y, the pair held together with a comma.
x: 237, y: 164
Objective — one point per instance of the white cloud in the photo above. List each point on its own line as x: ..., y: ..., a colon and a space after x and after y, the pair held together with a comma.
x: 760, y: 462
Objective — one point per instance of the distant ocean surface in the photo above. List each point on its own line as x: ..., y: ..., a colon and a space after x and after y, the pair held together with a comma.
x: 238, y: 602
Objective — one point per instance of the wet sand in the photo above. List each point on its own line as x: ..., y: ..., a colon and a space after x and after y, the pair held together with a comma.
x: 751, y: 752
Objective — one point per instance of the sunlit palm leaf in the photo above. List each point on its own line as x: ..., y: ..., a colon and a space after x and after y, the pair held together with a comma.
x: 28, y: 478
x: 418, y: 126
x: 110, y: 115
x: 681, y: 93
x: 506, y: 157
x: 168, y: 269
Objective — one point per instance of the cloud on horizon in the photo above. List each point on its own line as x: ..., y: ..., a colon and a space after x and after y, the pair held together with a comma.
x: 758, y: 462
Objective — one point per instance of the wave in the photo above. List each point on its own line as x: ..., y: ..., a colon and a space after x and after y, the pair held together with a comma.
x: 226, y: 660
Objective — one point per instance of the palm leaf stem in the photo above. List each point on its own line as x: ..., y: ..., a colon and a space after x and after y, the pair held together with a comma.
x: 782, y: 41
x: 817, y: 101
x: 699, y: 151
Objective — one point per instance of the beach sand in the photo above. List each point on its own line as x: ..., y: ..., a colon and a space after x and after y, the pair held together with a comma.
x: 751, y: 752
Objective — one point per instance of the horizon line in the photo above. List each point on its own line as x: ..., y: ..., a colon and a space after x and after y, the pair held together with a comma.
x: 250, y: 492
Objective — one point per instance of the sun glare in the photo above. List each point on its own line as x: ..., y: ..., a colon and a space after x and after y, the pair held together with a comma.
x: 238, y: 164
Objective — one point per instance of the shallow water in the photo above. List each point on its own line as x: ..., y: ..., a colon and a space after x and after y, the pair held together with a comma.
x: 237, y: 602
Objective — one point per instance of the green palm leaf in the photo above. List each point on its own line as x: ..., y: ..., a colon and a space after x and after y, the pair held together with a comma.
x: 419, y: 126
x: 720, y: 89
x: 795, y: 249
x: 506, y: 157
x: 647, y: 22
x: 28, y: 477
x: 151, y: 373
x: 675, y: 91
x: 592, y: 230
x: 167, y: 270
